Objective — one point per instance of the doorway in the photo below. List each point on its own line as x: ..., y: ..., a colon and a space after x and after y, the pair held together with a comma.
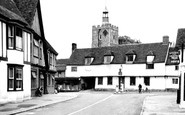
x: 87, y: 83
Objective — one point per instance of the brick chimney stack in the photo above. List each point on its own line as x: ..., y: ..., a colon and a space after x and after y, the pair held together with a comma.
x: 74, y: 46
x: 165, y: 39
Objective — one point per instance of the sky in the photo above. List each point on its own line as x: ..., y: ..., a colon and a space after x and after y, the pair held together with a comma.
x: 70, y: 21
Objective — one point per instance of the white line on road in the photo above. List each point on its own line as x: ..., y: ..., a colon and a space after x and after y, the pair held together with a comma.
x: 90, y: 105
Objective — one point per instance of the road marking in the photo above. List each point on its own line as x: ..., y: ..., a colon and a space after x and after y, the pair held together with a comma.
x: 90, y: 105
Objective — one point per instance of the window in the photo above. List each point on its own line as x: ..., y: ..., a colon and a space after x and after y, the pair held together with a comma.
x: 150, y: 59
x: 19, y: 40
x: 147, y: 81
x: 149, y: 66
x: 10, y: 37
x: 36, y: 48
x: 109, y: 81
x: 33, y: 79
x: 132, y: 80
x: 174, y: 80
x: 105, y: 32
x: 130, y: 58
x: 88, y: 60
x: 107, y: 59
x: 100, y: 80
x: 176, y: 67
x: 40, y: 52
x: 74, y: 69
x: 15, y: 78
x: 51, y: 59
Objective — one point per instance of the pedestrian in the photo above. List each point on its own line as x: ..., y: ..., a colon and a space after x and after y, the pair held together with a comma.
x: 117, y: 89
x: 140, y: 88
x: 38, y: 91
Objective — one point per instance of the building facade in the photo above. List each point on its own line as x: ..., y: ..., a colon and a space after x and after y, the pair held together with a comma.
x: 23, y: 50
x: 125, y: 66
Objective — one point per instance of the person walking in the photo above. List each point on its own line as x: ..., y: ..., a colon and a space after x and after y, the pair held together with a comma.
x: 140, y: 88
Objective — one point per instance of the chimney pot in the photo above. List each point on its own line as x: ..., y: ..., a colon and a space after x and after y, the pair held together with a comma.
x: 165, y: 39
x: 74, y: 46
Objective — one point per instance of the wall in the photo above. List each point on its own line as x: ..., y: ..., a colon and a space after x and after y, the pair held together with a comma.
x: 128, y: 70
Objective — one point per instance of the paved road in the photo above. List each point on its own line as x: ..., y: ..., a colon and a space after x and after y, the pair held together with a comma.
x: 97, y: 103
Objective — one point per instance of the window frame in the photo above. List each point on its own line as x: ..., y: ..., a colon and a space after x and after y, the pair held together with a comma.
x: 150, y: 66
x: 107, y: 59
x: 17, y: 37
x: 109, y: 80
x: 100, y: 80
x: 35, y: 48
x: 17, y: 77
x: 147, y: 81
x: 175, y: 81
x: 176, y: 67
x: 132, y: 81
x: 88, y: 60
x: 73, y: 69
x: 128, y: 58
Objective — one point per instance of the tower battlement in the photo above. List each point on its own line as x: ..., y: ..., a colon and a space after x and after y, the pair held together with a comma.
x: 105, y: 26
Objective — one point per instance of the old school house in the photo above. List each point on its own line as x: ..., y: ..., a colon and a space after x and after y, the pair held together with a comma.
x: 110, y: 63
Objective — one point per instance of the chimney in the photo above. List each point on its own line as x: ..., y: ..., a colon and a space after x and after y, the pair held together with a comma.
x: 74, y: 46
x: 165, y: 39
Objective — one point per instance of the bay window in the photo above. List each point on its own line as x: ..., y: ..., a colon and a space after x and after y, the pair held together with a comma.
x: 15, y: 37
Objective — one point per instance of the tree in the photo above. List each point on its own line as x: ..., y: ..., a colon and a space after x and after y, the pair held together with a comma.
x: 127, y: 40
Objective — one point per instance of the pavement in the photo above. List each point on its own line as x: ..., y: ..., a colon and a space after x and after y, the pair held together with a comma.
x: 36, y: 102
x: 155, y: 104
x: 161, y: 104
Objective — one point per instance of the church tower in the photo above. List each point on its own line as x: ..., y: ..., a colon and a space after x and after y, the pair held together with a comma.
x: 106, y: 34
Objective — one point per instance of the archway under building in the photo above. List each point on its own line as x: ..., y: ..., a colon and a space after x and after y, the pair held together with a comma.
x: 87, y: 83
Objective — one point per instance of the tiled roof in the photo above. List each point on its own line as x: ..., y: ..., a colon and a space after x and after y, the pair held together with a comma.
x: 27, y: 9
x: 61, y: 64
x: 141, y: 51
x: 51, y: 48
x: 63, y: 61
x: 9, y: 10
x: 180, y: 37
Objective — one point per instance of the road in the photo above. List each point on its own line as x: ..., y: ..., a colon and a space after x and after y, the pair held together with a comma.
x: 95, y: 103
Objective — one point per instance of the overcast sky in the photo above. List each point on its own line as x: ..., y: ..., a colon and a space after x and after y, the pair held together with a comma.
x: 70, y: 21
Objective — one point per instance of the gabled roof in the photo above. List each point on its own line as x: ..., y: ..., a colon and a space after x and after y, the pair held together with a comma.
x: 61, y: 64
x: 141, y: 50
x: 27, y: 9
x: 9, y: 10
x: 180, y: 37
x: 50, y: 48
x: 63, y: 61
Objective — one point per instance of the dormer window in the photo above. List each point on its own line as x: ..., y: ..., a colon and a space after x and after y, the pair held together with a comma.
x: 108, y: 59
x: 88, y: 60
x: 149, y: 60
x: 130, y: 56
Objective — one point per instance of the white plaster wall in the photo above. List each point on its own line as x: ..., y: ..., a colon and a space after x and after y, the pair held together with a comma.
x: 169, y: 83
x: 15, y: 57
x: 3, y: 82
x: 113, y: 69
x: 140, y: 70
x: 170, y: 70
x: 157, y: 81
